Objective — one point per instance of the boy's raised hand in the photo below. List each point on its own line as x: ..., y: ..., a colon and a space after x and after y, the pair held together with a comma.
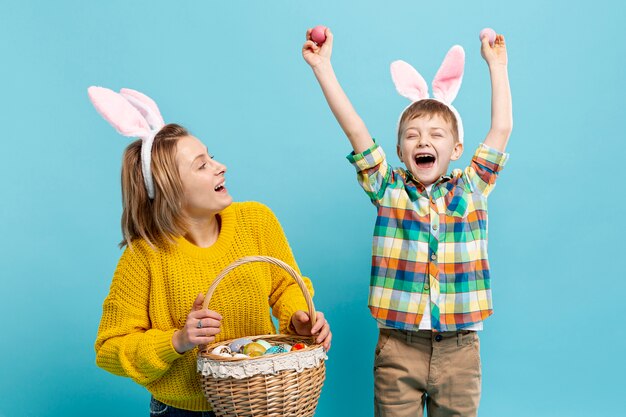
x: 315, y: 54
x: 496, y: 54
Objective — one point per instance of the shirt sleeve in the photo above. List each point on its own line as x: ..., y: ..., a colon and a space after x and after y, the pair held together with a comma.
x: 484, y: 168
x: 286, y: 296
x: 126, y: 345
x: 373, y: 172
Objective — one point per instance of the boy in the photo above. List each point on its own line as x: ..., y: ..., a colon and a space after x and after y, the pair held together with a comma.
x: 430, y: 285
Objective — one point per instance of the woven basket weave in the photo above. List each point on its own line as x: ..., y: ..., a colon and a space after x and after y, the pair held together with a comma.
x: 287, y: 392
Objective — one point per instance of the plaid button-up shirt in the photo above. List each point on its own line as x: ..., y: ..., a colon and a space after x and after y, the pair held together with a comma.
x: 433, y: 244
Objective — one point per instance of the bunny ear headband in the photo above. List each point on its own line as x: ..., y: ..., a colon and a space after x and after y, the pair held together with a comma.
x: 446, y: 84
x: 132, y: 114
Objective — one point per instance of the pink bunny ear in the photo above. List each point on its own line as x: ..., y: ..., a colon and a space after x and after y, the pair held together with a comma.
x: 146, y: 106
x: 448, y: 79
x: 408, y: 81
x: 116, y: 110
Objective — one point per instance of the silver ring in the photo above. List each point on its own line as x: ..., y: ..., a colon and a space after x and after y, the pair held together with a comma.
x: 199, y: 326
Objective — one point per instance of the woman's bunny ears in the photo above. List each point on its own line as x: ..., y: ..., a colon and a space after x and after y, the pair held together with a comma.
x: 446, y: 84
x: 132, y: 114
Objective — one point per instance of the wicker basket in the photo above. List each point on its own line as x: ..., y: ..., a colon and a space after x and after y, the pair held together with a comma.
x: 284, y: 384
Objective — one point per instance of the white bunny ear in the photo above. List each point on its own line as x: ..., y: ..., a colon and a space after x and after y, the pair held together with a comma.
x: 131, y: 114
x: 116, y: 110
x: 146, y: 106
x: 448, y: 79
x: 408, y: 81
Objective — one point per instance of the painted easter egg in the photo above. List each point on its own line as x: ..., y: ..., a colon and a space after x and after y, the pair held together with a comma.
x: 240, y: 355
x: 298, y: 346
x: 286, y: 347
x: 237, y: 345
x: 222, y: 351
x: 275, y: 350
x: 489, y: 33
x: 264, y: 343
x: 318, y: 34
x: 253, y: 349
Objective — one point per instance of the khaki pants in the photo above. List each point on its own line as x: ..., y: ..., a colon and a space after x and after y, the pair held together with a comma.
x: 438, y: 370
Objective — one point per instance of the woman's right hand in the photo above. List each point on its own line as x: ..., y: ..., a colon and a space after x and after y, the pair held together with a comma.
x: 315, y: 54
x: 191, y: 335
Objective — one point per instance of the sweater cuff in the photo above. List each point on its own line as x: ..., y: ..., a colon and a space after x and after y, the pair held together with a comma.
x: 164, y: 348
x: 287, y: 311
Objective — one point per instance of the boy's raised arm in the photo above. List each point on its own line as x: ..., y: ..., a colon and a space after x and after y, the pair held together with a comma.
x: 318, y: 57
x: 501, y: 106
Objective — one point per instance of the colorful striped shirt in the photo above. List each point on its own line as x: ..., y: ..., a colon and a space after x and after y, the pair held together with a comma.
x: 433, y: 244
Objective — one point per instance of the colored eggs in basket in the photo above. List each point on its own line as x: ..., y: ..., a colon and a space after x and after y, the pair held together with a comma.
x: 236, y: 346
x: 253, y: 349
x: 298, y: 346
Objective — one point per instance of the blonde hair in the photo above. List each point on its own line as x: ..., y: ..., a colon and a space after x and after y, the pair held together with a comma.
x: 158, y: 220
x: 428, y: 108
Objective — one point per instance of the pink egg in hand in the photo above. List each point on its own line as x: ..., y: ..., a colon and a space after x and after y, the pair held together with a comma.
x: 489, y: 33
x: 318, y: 34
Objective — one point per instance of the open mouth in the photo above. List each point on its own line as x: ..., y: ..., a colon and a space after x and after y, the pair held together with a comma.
x: 220, y: 187
x: 425, y: 160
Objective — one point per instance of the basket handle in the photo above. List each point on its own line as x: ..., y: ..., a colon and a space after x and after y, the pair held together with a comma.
x: 273, y: 261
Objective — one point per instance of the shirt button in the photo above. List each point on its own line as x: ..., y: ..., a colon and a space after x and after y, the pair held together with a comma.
x: 426, y: 286
x: 433, y: 256
x: 438, y: 338
x: 435, y: 227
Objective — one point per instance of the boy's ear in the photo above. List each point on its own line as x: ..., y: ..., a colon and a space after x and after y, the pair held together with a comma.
x: 457, y: 151
x: 399, y: 151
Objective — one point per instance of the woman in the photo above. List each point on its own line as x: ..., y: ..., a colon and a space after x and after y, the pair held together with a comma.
x: 181, y: 228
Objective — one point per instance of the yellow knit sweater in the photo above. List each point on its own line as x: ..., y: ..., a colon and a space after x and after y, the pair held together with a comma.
x: 153, y: 290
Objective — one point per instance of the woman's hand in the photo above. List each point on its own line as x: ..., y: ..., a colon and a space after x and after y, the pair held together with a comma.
x: 302, y: 325
x: 200, y: 328
x: 496, y: 54
x: 315, y: 54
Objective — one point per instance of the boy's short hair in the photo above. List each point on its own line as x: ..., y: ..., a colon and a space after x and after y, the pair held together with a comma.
x: 428, y: 108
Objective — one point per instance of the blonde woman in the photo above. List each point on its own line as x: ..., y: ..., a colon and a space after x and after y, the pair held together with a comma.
x: 181, y: 228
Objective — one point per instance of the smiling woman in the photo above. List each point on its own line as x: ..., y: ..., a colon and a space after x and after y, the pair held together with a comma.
x: 181, y: 228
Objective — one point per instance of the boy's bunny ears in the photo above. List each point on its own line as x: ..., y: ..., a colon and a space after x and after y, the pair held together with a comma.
x: 446, y: 84
x: 132, y: 114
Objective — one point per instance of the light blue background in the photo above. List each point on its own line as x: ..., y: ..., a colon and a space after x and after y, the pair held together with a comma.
x: 232, y: 73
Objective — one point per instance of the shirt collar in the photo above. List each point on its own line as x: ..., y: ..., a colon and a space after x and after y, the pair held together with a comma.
x: 416, y: 189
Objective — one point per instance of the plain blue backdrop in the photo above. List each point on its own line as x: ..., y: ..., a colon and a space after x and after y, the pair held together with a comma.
x: 232, y: 72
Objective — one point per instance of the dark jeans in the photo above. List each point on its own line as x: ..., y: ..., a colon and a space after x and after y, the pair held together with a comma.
x: 157, y: 408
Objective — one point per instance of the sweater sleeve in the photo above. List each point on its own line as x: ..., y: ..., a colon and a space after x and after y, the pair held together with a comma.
x: 126, y: 344
x: 286, y: 297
